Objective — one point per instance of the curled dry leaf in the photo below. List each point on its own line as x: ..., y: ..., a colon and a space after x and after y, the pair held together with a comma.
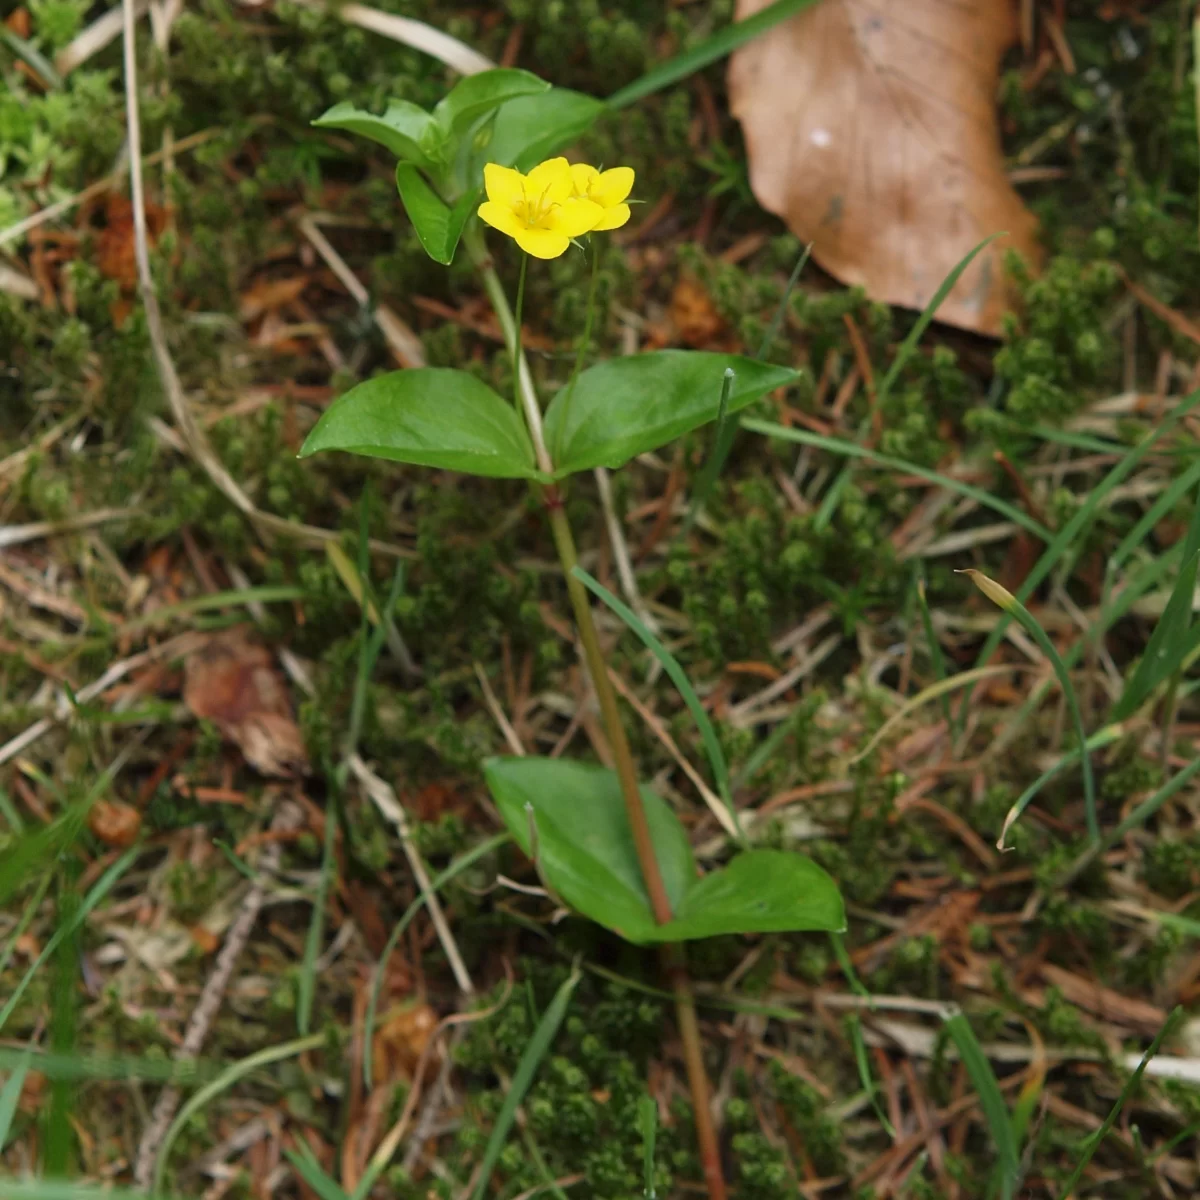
x: 400, y: 1042
x: 115, y: 823
x: 233, y: 682
x: 871, y: 129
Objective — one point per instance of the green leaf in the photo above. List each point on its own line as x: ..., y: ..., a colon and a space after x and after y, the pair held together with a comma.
x: 532, y: 128
x: 584, y: 851
x: 626, y: 406
x: 584, y: 848
x: 438, y: 225
x: 475, y: 95
x: 759, y: 891
x: 405, y: 129
x: 431, y: 417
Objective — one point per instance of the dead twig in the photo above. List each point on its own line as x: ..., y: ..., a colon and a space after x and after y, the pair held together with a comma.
x: 288, y: 818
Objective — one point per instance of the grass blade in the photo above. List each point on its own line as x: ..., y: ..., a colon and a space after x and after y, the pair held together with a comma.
x: 1092, y: 1143
x: 709, y: 51
x: 931, y: 640
x: 991, y: 1100
x: 935, y: 691
x: 1070, y: 534
x: 459, y: 865
x: 903, y: 354
x: 647, y: 1118
x: 223, y: 1082
x: 722, y: 444
x: 1005, y: 600
x: 100, y: 889
x: 853, y: 450
x: 60, y: 1136
x: 727, y: 428
x: 708, y: 735
x: 307, y: 984
x: 311, y: 1171
x: 9, y: 1096
x: 535, y: 1051
x: 1098, y: 740
x: 1167, y: 646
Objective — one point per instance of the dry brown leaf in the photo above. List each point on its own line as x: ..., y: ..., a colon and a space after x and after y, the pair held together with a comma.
x: 233, y: 682
x: 268, y: 295
x: 694, y: 314
x: 399, y: 1043
x: 871, y: 129
x: 114, y: 823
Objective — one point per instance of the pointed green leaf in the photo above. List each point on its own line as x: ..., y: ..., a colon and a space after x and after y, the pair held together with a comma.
x: 438, y: 226
x: 408, y: 131
x: 431, y: 417
x: 532, y: 128
x: 584, y: 848
x: 626, y: 406
x: 760, y: 891
x: 474, y: 96
x: 585, y: 853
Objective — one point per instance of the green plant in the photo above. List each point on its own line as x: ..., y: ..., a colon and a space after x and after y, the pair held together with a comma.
x: 608, y: 847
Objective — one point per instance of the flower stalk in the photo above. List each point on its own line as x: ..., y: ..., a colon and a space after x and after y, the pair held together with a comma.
x: 674, y: 957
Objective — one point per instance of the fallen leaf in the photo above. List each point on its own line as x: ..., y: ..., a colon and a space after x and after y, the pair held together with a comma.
x: 871, y: 129
x: 694, y: 313
x: 18, y: 22
x: 399, y: 1043
x: 267, y: 295
x: 233, y: 682
x: 115, y: 823
x: 206, y: 941
x: 115, y: 254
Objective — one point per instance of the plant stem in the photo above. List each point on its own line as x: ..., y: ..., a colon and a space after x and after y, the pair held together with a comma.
x: 584, y: 343
x: 564, y: 541
x: 515, y: 336
x: 693, y: 1058
x: 609, y: 712
x: 473, y: 240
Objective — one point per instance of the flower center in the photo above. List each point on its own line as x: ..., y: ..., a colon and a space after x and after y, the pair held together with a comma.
x: 535, y: 211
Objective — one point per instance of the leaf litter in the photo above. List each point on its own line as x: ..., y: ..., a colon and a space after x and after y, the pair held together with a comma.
x: 871, y: 128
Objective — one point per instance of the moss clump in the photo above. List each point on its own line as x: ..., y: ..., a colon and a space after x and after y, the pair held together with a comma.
x: 582, y: 1106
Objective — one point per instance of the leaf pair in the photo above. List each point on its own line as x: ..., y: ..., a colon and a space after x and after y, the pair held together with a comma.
x: 442, y: 153
x: 615, y: 410
x: 571, y: 818
x: 428, y: 138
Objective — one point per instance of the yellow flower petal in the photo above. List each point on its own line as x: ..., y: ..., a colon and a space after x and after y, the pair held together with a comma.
x: 504, y: 185
x: 501, y: 217
x: 612, y: 186
x: 575, y: 217
x: 582, y: 177
x: 613, y: 218
x: 551, y: 179
x: 542, y: 243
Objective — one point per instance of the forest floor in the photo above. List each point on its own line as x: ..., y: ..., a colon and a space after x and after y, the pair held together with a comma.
x: 161, y: 810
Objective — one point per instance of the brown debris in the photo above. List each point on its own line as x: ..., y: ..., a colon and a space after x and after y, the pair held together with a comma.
x: 871, y: 129
x: 115, y: 823
x: 234, y: 683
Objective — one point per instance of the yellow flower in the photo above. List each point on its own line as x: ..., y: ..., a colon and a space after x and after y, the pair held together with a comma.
x: 539, y: 210
x: 607, y: 189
